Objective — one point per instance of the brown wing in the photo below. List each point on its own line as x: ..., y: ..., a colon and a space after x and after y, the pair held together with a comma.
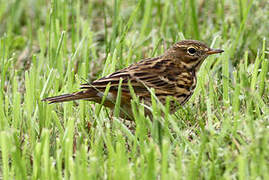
x: 158, y: 73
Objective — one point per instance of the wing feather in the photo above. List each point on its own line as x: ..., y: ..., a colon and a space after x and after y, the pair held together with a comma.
x: 150, y: 73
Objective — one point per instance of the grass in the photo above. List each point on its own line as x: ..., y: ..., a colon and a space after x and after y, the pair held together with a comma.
x: 50, y: 47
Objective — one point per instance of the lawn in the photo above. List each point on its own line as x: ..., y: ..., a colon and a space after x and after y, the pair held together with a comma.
x: 50, y: 47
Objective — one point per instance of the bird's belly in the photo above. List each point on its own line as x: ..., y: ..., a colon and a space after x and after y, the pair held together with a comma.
x: 190, y: 92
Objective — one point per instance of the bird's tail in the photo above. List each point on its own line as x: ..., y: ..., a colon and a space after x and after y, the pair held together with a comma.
x: 69, y: 97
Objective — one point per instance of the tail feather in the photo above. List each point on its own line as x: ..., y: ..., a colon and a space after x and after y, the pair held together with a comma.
x: 69, y: 97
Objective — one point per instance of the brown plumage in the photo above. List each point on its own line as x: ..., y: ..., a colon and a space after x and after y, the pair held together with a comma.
x: 171, y: 74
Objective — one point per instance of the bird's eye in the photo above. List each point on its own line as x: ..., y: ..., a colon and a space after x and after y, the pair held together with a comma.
x: 191, y: 51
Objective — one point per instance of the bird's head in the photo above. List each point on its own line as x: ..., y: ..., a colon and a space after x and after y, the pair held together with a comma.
x: 191, y: 53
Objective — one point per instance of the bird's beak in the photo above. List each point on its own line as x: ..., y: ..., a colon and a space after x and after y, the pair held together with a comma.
x: 214, y: 51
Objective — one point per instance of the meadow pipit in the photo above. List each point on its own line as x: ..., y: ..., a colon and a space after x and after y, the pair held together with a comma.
x: 171, y: 74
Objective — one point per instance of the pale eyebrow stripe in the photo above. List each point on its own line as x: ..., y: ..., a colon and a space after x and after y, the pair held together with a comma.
x: 182, y: 46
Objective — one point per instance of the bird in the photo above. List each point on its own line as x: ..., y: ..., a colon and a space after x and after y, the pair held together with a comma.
x: 172, y: 74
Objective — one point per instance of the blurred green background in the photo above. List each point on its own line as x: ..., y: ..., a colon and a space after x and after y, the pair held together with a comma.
x: 50, y: 47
